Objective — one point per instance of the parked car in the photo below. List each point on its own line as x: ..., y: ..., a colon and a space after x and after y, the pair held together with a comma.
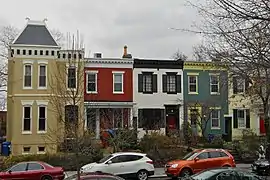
x: 199, y: 160
x: 94, y: 176
x: 33, y: 170
x: 261, y: 167
x: 124, y: 164
x: 223, y: 174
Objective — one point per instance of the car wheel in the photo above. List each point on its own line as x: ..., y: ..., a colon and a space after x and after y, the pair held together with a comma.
x: 185, y: 172
x: 142, y: 175
x: 46, y: 178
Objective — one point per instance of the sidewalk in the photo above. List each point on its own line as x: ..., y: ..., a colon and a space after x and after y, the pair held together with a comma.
x: 159, y: 172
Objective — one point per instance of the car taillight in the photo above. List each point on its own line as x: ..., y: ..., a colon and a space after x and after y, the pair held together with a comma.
x: 149, y: 162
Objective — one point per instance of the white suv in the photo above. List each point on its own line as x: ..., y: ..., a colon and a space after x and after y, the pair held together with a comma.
x: 125, y: 164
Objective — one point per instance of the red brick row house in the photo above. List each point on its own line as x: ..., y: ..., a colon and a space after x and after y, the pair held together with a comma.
x: 108, y: 95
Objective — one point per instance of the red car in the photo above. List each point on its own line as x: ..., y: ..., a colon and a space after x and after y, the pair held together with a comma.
x: 33, y: 170
x: 95, y: 176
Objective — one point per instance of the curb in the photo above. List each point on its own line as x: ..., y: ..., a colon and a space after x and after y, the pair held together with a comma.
x: 158, y: 176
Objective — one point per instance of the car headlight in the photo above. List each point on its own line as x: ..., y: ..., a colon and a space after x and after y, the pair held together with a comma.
x: 174, y: 165
x: 86, y: 168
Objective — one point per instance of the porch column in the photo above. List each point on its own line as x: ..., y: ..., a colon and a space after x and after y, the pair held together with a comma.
x: 85, y: 117
x: 131, y: 118
x: 97, y: 124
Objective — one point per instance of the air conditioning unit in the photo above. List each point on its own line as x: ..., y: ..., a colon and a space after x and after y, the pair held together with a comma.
x: 97, y: 55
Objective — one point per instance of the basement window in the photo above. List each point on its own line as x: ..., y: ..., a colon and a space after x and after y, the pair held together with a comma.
x: 26, y: 150
x: 18, y: 51
x: 41, y: 150
x: 35, y: 52
x: 47, y: 53
x: 24, y: 52
x: 29, y: 52
x: 40, y: 52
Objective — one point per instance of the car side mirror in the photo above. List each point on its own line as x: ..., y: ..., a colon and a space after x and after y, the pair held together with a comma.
x: 9, y: 171
x: 109, y: 162
x: 196, y: 159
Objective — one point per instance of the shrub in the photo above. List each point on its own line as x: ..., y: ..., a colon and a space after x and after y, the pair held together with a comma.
x: 217, y: 142
x: 155, y: 141
x: 62, y: 159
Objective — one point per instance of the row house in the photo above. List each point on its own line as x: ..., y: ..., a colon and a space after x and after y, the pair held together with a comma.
x: 158, y: 95
x: 206, y: 98
x: 36, y: 65
x: 108, y: 95
x: 243, y: 110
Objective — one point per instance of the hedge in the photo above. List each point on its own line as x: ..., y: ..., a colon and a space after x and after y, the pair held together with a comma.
x: 67, y: 161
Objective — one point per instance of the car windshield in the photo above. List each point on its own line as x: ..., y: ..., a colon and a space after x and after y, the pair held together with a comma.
x: 105, y: 159
x: 190, y: 155
x: 206, y: 174
x: 46, y: 164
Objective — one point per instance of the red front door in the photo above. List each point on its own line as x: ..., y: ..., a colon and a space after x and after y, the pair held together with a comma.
x: 171, y: 120
x: 262, y: 127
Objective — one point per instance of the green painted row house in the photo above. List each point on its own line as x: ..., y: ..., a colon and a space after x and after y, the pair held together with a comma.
x: 206, y: 99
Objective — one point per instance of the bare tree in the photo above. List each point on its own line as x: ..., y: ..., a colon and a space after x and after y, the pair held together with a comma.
x: 237, y: 33
x: 202, y: 115
x: 67, y: 104
x: 179, y: 55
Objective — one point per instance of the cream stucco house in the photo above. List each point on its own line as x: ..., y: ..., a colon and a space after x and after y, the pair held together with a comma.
x: 35, y: 65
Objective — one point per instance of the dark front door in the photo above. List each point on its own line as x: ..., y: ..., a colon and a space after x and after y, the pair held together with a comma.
x: 228, y: 128
x: 172, y: 118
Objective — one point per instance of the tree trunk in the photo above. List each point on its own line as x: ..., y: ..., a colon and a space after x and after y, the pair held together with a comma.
x: 266, y: 120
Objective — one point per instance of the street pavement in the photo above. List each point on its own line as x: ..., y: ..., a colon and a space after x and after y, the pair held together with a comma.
x: 159, y: 172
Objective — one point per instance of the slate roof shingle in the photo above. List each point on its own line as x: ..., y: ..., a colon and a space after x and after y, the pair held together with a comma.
x: 36, y: 34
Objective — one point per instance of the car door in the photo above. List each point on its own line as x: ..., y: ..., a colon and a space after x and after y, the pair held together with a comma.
x: 131, y: 164
x: 215, y: 159
x: 201, y: 163
x: 34, y: 170
x: 17, y: 172
x: 114, y: 165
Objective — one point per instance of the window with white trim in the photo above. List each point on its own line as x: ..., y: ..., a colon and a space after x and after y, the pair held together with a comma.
x: 42, y: 113
x: 241, y: 117
x: 215, y: 118
x: 71, y: 77
x: 27, y: 110
x: 27, y: 76
x: 41, y: 150
x: 192, y: 84
x: 26, y: 150
x: 91, y: 82
x: 214, y: 84
x: 118, y: 82
x: 42, y: 76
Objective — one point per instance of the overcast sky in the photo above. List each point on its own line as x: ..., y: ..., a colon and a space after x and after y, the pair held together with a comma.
x: 108, y: 25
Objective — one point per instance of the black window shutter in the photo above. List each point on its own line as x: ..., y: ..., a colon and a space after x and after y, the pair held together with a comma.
x: 246, y: 84
x: 178, y: 83
x: 140, y: 83
x: 164, y: 82
x: 235, y: 120
x: 247, y: 118
x: 154, y: 83
x: 234, y: 85
x: 140, y: 118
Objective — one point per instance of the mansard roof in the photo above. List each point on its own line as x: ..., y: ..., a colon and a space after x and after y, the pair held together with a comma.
x: 35, y: 33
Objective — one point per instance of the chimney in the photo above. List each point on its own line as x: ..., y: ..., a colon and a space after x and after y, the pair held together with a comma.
x: 125, y: 54
x: 125, y: 50
x: 97, y: 55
